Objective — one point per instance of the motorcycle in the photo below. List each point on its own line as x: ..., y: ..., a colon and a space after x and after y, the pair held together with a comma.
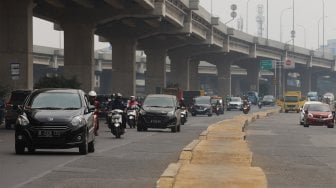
x: 259, y: 104
x: 132, y: 116
x: 184, y: 115
x: 246, y: 109
x: 116, y: 122
x: 217, y: 110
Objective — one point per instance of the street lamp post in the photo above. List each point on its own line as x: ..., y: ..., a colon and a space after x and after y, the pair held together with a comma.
x: 304, y: 33
x: 282, y: 12
x: 247, y: 15
x: 323, y: 29
x: 318, y: 33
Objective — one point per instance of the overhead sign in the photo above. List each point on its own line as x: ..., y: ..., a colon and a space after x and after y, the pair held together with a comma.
x: 289, y: 64
x: 266, y: 64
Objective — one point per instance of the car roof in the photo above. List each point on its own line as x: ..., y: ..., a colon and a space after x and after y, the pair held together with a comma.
x: 312, y: 102
x: 161, y: 95
x: 67, y: 90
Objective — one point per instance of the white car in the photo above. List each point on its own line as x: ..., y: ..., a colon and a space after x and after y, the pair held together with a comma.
x: 235, y: 103
x: 302, y: 110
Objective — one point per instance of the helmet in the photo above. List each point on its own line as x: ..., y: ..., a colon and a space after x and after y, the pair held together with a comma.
x: 118, y: 95
x: 132, y: 98
x: 92, y: 94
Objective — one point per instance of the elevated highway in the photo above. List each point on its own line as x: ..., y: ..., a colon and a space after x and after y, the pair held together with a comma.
x: 179, y: 29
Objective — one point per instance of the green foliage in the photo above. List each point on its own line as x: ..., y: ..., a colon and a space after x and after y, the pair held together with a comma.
x: 57, y: 82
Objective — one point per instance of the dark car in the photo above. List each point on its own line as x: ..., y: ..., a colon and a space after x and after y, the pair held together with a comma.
x: 55, y: 119
x: 201, y: 106
x: 318, y: 114
x: 268, y: 100
x: 160, y: 111
x: 16, y: 98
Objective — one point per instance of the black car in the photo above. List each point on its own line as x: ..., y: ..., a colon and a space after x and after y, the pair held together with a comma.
x: 17, y: 97
x: 55, y: 119
x: 268, y: 100
x: 159, y: 111
x: 201, y: 106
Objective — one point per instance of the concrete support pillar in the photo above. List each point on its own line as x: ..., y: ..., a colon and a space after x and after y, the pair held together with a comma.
x: 194, y: 82
x: 155, y: 76
x: 314, y: 78
x: 253, y: 71
x: 123, y: 66
x: 224, y: 79
x: 16, y: 43
x: 179, y: 71
x: 79, y: 53
x: 305, y: 79
x: 235, y: 85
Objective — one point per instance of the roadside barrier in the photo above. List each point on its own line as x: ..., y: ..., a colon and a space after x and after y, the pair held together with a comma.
x: 219, y: 158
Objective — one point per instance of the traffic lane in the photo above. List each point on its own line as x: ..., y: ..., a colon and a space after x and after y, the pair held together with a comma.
x: 33, y: 167
x: 136, y: 160
x: 291, y: 155
x: 17, y: 169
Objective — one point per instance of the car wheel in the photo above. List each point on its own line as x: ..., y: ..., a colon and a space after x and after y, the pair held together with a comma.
x: 286, y: 111
x: 91, y: 146
x: 173, y: 129
x: 8, y: 124
x: 193, y: 114
x: 301, y: 123
x: 209, y: 115
x: 305, y: 125
x: 84, y: 147
x: 330, y: 126
x: 19, y: 148
x: 139, y: 127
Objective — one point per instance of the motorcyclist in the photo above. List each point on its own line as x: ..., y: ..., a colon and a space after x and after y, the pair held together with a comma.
x: 93, y: 101
x: 132, y: 102
x: 182, y: 103
x: 118, y: 103
x: 246, y: 101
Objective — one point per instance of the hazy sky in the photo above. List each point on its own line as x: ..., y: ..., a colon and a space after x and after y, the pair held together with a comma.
x: 307, y: 14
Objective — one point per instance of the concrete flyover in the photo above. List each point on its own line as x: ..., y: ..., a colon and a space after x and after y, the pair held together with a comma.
x: 159, y: 27
x: 219, y: 158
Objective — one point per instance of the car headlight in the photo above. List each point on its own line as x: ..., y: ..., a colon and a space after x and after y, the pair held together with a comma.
x: 23, y: 120
x: 330, y: 116
x: 171, y: 113
x: 78, y: 121
x: 310, y: 115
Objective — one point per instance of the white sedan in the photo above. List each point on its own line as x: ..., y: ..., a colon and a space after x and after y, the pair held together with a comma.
x: 305, y: 106
x: 235, y: 103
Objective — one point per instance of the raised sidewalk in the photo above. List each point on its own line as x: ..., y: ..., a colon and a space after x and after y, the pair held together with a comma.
x: 219, y: 158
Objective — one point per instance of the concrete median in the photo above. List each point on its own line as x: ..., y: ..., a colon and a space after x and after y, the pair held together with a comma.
x: 220, y: 157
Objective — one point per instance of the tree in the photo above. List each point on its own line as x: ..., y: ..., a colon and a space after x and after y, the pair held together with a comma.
x: 57, y: 82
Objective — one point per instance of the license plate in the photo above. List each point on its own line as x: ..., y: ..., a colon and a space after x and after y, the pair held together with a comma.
x: 48, y: 133
x: 155, y: 121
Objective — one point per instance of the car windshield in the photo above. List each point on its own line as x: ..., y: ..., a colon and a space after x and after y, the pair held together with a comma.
x: 291, y: 98
x: 268, y: 98
x: 56, y: 100
x: 319, y: 107
x: 158, y: 102
x: 202, y: 100
x: 235, y: 99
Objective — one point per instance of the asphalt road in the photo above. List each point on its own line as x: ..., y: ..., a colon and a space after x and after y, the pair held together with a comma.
x: 136, y: 160
x: 293, y: 156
